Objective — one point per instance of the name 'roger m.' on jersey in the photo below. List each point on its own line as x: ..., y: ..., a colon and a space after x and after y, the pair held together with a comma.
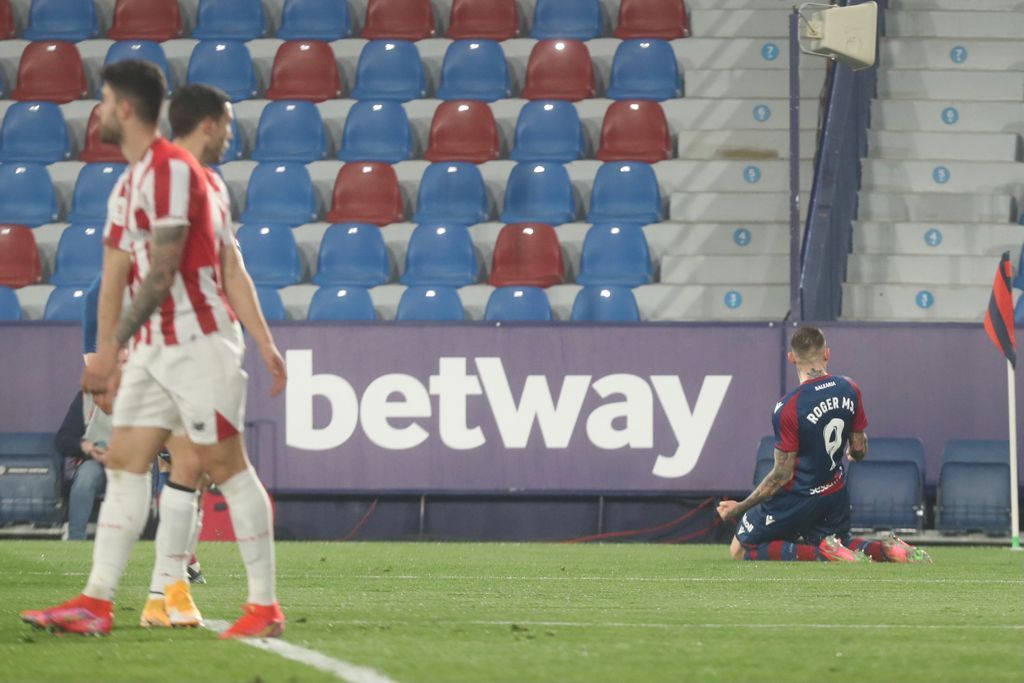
x: 167, y: 188
x: 815, y: 421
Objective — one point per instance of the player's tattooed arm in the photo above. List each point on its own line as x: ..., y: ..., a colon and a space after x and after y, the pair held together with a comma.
x: 858, y: 446
x: 780, y: 475
x: 168, y: 247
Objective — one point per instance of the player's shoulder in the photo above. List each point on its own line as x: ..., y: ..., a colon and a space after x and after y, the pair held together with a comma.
x: 168, y: 154
x: 788, y: 398
x: 843, y: 380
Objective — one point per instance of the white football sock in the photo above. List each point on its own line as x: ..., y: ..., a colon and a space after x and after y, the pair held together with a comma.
x: 177, y: 518
x: 197, y: 528
x: 251, y: 516
x: 123, y: 516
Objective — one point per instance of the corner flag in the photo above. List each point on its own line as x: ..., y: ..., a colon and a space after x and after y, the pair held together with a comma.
x: 999, y: 317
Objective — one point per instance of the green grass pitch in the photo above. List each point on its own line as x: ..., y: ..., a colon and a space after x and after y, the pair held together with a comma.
x: 545, y: 612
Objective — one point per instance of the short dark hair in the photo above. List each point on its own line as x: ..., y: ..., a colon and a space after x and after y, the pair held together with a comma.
x: 194, y: 103
x: 141, y: 82
x: 807, y: 342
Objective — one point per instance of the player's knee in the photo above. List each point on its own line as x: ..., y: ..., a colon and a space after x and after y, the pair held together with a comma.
x: 736, y: 550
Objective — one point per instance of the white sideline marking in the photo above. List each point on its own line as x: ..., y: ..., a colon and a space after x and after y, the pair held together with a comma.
x: 342, y: 669
x: 612, y: 624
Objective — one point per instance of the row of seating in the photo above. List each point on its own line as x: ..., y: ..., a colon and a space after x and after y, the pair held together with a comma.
x: 75, y: 20
x: 386, y: 70
x: 461, y: 130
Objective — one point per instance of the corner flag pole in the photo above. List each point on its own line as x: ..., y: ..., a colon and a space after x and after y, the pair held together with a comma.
x: 1014, y: 482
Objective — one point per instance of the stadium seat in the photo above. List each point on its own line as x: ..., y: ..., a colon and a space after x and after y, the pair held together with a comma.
x: 572, y: 19
x: 280, y: 193
x: 440, y: 254
x: 765, y: 460
x: 304, y: 70
x: 79, y: 255
x: 27, y: 443
x: 899, y: 449
x: 635, y: 131
x: 483, y: 19
x: 26, y: 195
x: 10, y: 307
x: 463, y: 130
x: 315, y: 20
x: 538, y: 192
x: 290, y: 131
x: 664, y: 19
x: 230, y: 20
x: 1018, y: 279
x: 559, y: 70
x: 451, y: 191
x: 270, y: 253
x: 271, y: 304
x: 156, y: 20
x: 1018, y: 312
x: 976, y: 450
x: 34, y: 494
x: 605, y: 304
x: 51, y: 72
x: 761, y: 470
x: 69, y: 20
x: 226, y: 65
x: 885, y: 495
x: 145, y: 50
x: 549, y: 130
x: 625, y: 191
x: 3, y: 87
x: 615, y: 254
x: 974, y: 496
x: 95, y: 149
x: 644, y: 70
x: 347, y: 303
x: 92, y: 190
x: 389, y: 70
x: 352, y: 254
x: 6, y: 20
x: 474, y: 70
x: 236, y: 147
x: 376, y: 131
x: 398, y: 20
x: 19, y: 257
x: 430, y: 304
x: 366, y: 192
x: 34, y: 132
x: 508, y: 304
x: 527, y: 254
x: 65, y: 304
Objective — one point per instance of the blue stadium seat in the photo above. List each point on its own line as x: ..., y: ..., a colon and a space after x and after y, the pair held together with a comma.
x: 342, y: 303
x: 26, y: 195
x: 1018, y: 279
x: 615, y: 254
x: 974, y: 496
x: 765, y: 458
x: 452, y: 191
x: 549, y: 130
x: 315, y: 20
x: 885, y: 495
x: 271, y: 304
x: 79, y: 255
x: 538, y: 192
x: 440, y: 254
x: 376, y: 131
x: 280, y: 193
x: 625, y: 191
x: 507, y: 304
x: 606, y: 304
x: 574, y: 19
x: 10, y: 307
x: 92, y: 190
x: 430, y: 304
x: 1018, y: 313
x: 644, y: 70
x: 67, y: 20
x: 230, y: 20
x: 761, y: 470
x: 236, y: 148
x: 290, y: 130
x: 976, y: 450
x: 270, y: 253
x: 474, y: 70
x: 27, y: 443
x: 389, y: 70
x: 34, y: 132
x: 898, y: 449
x: 146, y: 50
x: 32, y: 495
x: 3, y: 87
x: 65, y: 304
x: 352, y: 254
x: 225, y: 64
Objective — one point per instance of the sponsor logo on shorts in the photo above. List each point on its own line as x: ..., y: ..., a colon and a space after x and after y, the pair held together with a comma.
x: 199, y: 426
x: 746, y: 524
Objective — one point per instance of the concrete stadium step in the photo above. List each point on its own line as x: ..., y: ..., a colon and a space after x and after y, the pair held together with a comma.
x: 738, y: 83
x: 737, y: 4
x: 949, y: 117
x: 957, y: 5
x: 724, y: 270
x: 737, y: 53
x: 870, y: 269
x: 951, y: 53
x: 691, y: 114
x: 742, y: 144
x: 666, y: 302
x: 732, y: 207
x: 950, y: 239
x: 915, y: 303
x: 740, y: 23
x: 917, y: 84
x: 898, y: 207
x: 32, y: 300
x: 984, y: 177
x: 954, y: 24
x: 713, y: 239
x: 893, y: 144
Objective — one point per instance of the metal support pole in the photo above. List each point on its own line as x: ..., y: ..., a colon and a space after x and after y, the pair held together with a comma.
x: 795, y: 298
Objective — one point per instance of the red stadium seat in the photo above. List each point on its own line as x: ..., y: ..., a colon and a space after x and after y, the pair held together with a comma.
x: 156, y: 20
x: 95, y: 149
x: 19, y: 257
x: 527, y: 254
x: 484, y: 20
x: 304, y: 70
x: 635, y: 130
x: 6, y: 20
x: 366, y: 192
x: 51, y: 71
x: 398, y: 20
x: 559, y: 70
x: 665, y: 19
x: 463, y: 130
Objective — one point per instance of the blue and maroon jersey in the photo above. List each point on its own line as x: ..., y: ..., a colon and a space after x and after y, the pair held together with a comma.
x: 815, y: 421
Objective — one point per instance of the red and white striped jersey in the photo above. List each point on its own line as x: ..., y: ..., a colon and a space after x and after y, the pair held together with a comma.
x: 223, y: 227
x: 166, y: 188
